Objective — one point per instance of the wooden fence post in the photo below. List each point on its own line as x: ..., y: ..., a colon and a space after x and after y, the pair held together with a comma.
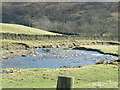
x: 33, y: 88
x: 64, y: 83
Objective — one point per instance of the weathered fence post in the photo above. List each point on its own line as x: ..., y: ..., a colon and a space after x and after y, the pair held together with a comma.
x: 65, y: 83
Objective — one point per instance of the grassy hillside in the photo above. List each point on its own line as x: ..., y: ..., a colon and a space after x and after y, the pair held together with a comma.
x: 82, y: 17
x: 20, y: 29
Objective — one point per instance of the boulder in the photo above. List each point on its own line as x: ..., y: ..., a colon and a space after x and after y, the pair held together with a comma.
x: 24, y: 55
x: 100, y: 62
x: 112, y: 62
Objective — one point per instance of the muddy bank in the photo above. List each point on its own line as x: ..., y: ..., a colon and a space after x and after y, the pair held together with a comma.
x: 7, y: 54
x: 69, y: 44
x: 75, y: 44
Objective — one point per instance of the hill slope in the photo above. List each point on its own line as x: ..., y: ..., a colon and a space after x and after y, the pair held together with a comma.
x: 20, y: 29
x: 82, y: 17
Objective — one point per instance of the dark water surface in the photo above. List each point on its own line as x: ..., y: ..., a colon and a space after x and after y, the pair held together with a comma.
x: 55, y: 58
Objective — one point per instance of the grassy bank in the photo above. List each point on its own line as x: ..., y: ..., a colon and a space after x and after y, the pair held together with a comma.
x: 11, y: 50
x: 103, y: 76
x: 104, y: 49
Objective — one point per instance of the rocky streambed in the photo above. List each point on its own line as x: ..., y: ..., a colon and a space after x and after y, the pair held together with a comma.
x: 55, y: 58
x: 8, y: 54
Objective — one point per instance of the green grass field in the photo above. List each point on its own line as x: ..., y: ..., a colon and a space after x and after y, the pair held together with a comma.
x: 91, y: 76
x: 20, y: 29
